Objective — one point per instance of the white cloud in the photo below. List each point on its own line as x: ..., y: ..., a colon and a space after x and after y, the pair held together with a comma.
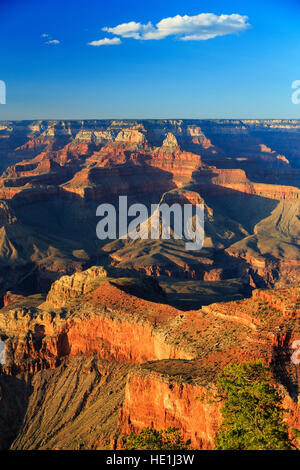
x: 50, y: 40
x: 130, y: 30
x: 187, y: 28
x: 53, y: 41
x: 106, y: 42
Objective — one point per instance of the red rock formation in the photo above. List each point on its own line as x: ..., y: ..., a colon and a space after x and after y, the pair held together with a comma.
x: 212, y: 180
x: 113, y: 324
x: 155, y: 401
x: 68, y: 287
x: 181, y: 352
x: 10, y: 298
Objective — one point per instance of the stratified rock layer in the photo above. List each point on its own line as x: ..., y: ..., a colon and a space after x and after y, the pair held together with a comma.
x: 173, y: 358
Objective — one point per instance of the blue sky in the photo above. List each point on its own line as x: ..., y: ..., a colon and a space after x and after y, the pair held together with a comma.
x: 245, y: 73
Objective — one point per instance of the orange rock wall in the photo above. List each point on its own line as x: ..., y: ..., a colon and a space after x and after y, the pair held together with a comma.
x: 152, y: 402
x: 120, y: 340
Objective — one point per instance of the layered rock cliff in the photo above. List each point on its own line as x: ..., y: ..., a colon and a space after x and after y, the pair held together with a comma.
x: 54, y: 355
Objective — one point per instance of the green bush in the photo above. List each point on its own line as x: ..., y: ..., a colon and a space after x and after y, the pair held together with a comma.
x: 252, y: 413
x: 152, y: 439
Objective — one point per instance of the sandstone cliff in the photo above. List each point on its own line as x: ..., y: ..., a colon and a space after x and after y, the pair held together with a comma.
x: 179, y: 356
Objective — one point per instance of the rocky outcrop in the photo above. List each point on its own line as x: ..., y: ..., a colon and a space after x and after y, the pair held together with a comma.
x: 10, y: 298
x: 131, y: 136
x: 285, y: 300
x: 177, y: 404
x: 7, y: 215
x: 178, y: 354
x: 170, y: 142
x: 68, y: 287
x: 215, y: 181
x: 169, y: 157
x: 111, y: 324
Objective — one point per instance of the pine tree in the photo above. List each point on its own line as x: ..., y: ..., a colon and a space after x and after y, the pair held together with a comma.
x: 252, y: 412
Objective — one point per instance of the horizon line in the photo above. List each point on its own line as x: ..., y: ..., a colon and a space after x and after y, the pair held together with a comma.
x: 151, y: 119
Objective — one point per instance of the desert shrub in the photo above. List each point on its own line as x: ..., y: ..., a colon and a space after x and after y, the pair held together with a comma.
x: 252, y: 411
x: 153, y: 439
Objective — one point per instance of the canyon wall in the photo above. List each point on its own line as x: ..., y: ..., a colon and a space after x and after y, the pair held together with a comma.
x: 173, y: 356
x: 156, y: 401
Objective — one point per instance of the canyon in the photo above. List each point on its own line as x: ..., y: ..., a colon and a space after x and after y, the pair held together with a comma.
x: 104, y: 362
x: 245, y: 171
x: 105, y: 337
